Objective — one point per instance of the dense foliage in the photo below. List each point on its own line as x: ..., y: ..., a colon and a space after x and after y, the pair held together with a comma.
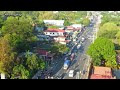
x: 103, y: 49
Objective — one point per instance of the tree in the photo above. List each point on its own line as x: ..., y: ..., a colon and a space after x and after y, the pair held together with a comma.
x: 32, y: 61
x: 20, y: 72
x: 58, y: 48
x: 1, y: 21
x: 103, y: 49
x: 67, y: 23
x: 86, y: 21
x: 62, y: 48
x: 6, y: 56
x: 55, y: 27
x: 108, y: 30
x: 21, y: 32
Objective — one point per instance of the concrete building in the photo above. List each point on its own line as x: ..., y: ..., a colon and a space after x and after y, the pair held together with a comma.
x: 55, y: 22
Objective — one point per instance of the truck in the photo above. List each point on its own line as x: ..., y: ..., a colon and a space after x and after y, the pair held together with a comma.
x: 66, y: 64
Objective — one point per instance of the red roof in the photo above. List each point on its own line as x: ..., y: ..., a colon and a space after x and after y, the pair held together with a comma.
x: 96, y: 76
x: 70, y: 27
x: 42, y: 52
x: 101, y: 73
x: 54, y: 30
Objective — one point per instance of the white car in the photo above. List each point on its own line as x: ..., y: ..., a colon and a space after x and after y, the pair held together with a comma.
x: 71, y: 73
x: 83, y: 39
x: 78, y: 46
x: 65, y: 67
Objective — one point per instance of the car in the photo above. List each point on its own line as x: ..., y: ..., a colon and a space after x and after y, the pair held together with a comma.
x: 58, y: 77
x: 69, y: 53
x: 71, y: 73
x: 51, y: 77
x: 83, y: 38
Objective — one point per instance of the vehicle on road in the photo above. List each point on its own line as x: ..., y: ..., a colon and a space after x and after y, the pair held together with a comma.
x: 83, y: 39
x: 66, y: 64
x: 78, y: 46
x: 58, y: 77
x: 71, y: 73
x: 72, y: 56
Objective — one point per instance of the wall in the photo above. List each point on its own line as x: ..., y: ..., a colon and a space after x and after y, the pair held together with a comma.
x: 54, y: 33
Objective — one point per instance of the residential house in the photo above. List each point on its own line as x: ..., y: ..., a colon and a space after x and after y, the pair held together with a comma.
x: 77, y: 26
x: 101, y: 73
x: 56, y: 35
x: 42, y: 53
x: 46, y: 55
x: 54, y: 22
x: 69, y: 29
x: 60, y: 39
x: 43, y: 37
x: 54, y: 32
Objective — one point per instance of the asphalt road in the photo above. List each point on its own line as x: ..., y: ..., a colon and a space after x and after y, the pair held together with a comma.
x: 79, y: 62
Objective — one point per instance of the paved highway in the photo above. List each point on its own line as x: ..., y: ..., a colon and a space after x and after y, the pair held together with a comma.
x: 79, y: 62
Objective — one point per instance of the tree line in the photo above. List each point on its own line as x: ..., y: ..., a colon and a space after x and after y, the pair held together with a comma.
x: 108, y: 41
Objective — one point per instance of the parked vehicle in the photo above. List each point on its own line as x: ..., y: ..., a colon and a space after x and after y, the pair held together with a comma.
x: 72, y: 56
x: 66, y: 64
x: 83, y: 39
x: 71, y: 73
x: 78, y: 46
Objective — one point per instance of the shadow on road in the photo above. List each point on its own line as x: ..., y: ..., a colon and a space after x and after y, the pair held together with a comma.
x: 81, y: 49
x: 57, y: 67
x: 74, y: 61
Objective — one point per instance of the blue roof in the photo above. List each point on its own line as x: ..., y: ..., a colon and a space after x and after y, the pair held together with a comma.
x: 67, y: 61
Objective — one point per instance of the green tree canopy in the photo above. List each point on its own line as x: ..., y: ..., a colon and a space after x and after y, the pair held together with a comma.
x: 103, y: 49
x: 55, y: 27
x: 7, y: 56
x: 86, y: 21
x: 58, y: 48
x: 108, y: 30
x: 20, y: 72
x: 33, y: 62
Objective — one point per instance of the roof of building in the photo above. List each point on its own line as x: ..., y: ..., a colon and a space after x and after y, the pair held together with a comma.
x: 53, y: 20
x: 101, y: 73
x: 42, y: 52
x: 54, y: 30
x: 102, y: 70
x: 70, y: 27
x: 96, y: 76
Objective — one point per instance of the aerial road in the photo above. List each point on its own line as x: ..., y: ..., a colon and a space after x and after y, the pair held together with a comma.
x: 81, y: 60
